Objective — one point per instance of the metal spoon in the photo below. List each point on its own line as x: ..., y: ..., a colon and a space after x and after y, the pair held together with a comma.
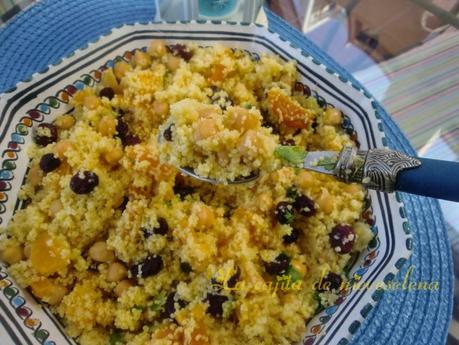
x: 379, y: 169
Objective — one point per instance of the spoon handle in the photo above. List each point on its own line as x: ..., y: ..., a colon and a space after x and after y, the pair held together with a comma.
x: 387, y: 171
x: 434, y: 178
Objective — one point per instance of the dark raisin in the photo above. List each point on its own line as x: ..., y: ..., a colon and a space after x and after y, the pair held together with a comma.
x: 149, y: 267
x: 45, y: 133
x: 180, y: 50
x: 167, y: 134
x: 122, y: 129
x: 162, y: 227
x: 130, y: 139
x: 284, y: 212
x: 49, y: 162
x: 183, y: 190
x: 169, y: 305
x: 185, y: 267
x: 107, y: 92
x: 83, y: 182
x: 215, y: 302
x: 234, y: 278
x: 342, y: 239
x: 303, y: 89
x: 279, y: 266
x: 123, y: 205
x: 331, y: 281
x: 304, y: 206
x: 288, y: 142
x: 314, y: 125
x: 292, y: 237
x: 321, y: 101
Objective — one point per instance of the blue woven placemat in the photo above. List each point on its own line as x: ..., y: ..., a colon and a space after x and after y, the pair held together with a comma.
x: 52, y: 29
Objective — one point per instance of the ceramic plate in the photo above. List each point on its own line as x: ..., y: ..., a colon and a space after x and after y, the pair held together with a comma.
x: 47, y: 94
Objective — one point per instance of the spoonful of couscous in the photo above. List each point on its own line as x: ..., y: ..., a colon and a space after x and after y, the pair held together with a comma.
x: 218, y: 145
x: 229, y: 145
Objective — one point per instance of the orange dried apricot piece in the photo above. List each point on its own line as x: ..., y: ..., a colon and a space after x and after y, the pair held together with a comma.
x: 286, y: 110
x: 49, y: 255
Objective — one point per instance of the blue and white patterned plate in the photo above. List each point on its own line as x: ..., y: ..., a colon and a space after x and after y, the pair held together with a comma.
x: 46, y: 95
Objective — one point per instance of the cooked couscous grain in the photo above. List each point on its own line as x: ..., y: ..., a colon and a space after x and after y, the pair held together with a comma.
x: 127, y: 251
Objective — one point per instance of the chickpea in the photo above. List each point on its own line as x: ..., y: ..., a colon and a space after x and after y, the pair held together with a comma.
x: 209, y: 110
x: 35, y: 175
x: 332, y: 117
x: 91, y: 102
x: 107, y: 126
x: 205, y: 128
x: 27, y: 250
x: 121, y: 68
x: 122, y: 287
x: 205, y: 214
x: 108, y: 79
x: 54, y: 208
x: 61, y: 147
x: 250, y: 143
x: 142, y: 59
x: 65, y: 121
x: 12, y: 253
x: 242, y: 119
x: 113, y: 156
x: 116, y: 272
x: 325, y: 201
x: 157, y: 48
x: 99, y: 252
x: 173, y: 62
x: 160, y: 108
x: 304, y: 179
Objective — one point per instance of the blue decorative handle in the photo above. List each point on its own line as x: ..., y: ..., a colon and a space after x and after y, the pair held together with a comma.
x: 434, y: 178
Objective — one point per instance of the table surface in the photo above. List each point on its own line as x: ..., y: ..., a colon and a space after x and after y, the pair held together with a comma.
x: 412, y: 70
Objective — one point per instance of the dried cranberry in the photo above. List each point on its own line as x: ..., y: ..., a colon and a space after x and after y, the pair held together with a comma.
x: 304, y: 206
x: 122, y: 129
x: 49, y: 162
x: 288, y: 142
x: 124, y: 203
x: 292, y: 237
x: 284, y: 212
x: 215, y: 302
x: 331, y: 281
x: 342, y: 239
x: 279, y: 266
x: 169, y: 305
x: 183, y: 190
x: 161, y: 229
x: 180, y: 50
x: 45, y: 133
x: 107, y: 92
x: 185, y: 267
x: 234, y: 278
x: 130, y: 139
x: 167, y: 134
x: 149, y: 267
x: 83, y: 182
x: 301, y: 88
